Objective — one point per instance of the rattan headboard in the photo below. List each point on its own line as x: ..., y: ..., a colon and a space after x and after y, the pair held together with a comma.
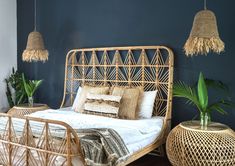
x: 147, y: 66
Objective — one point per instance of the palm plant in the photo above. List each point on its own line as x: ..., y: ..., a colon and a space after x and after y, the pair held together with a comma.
x: 198, y: 96
x: 30, y: 87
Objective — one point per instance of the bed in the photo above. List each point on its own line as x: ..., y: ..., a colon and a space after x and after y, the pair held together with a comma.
x: 50, y: 137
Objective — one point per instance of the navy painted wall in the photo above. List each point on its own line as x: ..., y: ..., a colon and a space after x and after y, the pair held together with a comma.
x: 88, y: 23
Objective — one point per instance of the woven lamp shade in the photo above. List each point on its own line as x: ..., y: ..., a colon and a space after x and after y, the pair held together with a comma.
x: 204, y: 36
x: 35, y: 50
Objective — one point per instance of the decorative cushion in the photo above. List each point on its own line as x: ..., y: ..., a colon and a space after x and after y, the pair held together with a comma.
x: 146, y: 104
x: 75, y: 102
x: 88, y: 89
x: 129, y: 101
x: 105, y: 105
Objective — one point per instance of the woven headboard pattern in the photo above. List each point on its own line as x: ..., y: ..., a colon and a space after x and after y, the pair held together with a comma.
x: 150, y: 67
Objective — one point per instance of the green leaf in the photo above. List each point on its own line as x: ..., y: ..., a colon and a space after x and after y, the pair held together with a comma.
x: 219, y: 85
x: 217, y: 107
x: 202, y: 93
x: 37, y: 83
x: 31, y: 86
x: 181, y: 90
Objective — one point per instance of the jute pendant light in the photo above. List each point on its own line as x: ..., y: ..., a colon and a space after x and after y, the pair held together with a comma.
x: 35, y: 49
x: 204, y: 36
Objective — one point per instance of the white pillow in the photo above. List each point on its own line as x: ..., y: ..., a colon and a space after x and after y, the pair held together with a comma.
x: 146, y: 104
x: 75, y: 102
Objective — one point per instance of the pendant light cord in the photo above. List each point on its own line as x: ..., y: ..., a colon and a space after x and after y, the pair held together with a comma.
x: 35, y: 15
x: 205, y: 8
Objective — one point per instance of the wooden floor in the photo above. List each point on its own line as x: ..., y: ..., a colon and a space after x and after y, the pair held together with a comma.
x: 150, y: 160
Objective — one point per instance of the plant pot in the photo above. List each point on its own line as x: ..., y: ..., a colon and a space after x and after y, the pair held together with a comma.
x: 205, y: 119
x: 30, y: 100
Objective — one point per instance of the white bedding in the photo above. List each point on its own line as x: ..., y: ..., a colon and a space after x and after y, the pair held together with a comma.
x: 135, y: 133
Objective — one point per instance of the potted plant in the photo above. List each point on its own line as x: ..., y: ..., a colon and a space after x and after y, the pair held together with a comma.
x: 15, y: 91
x: 30, y: 87
x: 198, y: 96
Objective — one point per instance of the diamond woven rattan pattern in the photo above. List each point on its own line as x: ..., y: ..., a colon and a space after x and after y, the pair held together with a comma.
x: 150, y: 67
x: 189, y: 145
x: 25, y: 109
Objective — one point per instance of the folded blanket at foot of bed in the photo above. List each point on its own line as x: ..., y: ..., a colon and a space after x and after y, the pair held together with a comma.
x: 102, y: 147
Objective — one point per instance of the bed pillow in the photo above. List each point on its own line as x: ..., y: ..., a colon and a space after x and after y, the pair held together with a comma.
x: 129, y: 101
x: 89, y: 89
x: 146, y: 104
x: 104, y: 105
x: 75, y: 102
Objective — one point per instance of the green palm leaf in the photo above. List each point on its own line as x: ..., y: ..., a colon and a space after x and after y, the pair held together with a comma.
x: 217, y: 107
x: 202, y: 92
x: 180, y: 89
x: 218, y: 85
x: 198, y: 95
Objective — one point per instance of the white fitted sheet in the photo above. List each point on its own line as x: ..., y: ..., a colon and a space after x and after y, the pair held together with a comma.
x: 135, y: 133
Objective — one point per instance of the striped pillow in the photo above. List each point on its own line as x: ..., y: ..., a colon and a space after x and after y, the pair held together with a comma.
x: 104, y: 105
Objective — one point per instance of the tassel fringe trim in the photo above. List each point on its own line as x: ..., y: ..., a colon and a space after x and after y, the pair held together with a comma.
x: 198, y: 45
x: 35, y: 55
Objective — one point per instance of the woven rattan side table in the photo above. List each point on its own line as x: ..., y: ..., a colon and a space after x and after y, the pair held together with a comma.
x: 189, y: 145
x: 25, y: 109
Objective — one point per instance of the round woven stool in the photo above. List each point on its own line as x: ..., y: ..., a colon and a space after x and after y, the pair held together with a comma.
x: 25, y: 109
x: 189, y: 145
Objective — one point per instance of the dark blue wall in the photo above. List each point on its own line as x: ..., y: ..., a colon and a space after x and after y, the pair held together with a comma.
x: 67, y: 24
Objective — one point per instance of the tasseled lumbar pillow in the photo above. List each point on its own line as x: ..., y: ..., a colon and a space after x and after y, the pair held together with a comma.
x: 104, y: 105
x: 88, y: 89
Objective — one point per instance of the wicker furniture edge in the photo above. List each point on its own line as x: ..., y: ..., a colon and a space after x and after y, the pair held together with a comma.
x: 188, y: 144
x: 22, y: 110
x: 80, y: 68
x: 12, y: 141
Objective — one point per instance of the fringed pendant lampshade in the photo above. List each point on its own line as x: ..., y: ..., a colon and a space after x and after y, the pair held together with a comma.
x: 204, y: 36
x: 35, y: 50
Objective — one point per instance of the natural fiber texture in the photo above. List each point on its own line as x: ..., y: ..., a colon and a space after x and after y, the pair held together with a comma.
x: 188, y: 145
x: 129, y: 101
x: 153, y: 70
x: 154, y: 73
x: 35, y: 50
x: 35, y: 55
x: 38, y: 141
x: 196, y: 45
x: 204, y: 36
x: 57, y: 144
x: 21, y: 111
x: 150, y: 67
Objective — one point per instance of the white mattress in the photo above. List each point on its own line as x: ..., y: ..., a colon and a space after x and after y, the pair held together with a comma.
x: 135, y: 133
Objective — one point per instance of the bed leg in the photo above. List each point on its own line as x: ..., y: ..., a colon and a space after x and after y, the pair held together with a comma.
x: 160, y: 151
x: 9, y: 139
x: 69, y: 162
